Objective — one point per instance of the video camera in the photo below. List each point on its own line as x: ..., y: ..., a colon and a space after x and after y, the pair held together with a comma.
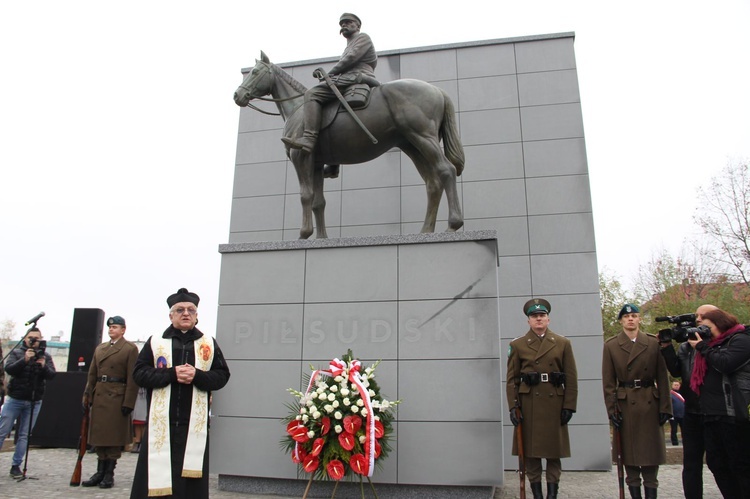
x: 684, y: 329
x: 39, y: 347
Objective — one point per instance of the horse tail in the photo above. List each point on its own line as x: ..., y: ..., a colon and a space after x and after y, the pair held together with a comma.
x: 452, y: 146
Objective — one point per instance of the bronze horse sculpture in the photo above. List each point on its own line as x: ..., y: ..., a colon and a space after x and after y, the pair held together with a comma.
x: 411, y: 115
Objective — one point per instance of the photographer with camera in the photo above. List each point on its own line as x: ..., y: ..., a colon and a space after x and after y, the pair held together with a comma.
x: 722, y: 349
x: 29, y: 367
x: 680, y: 365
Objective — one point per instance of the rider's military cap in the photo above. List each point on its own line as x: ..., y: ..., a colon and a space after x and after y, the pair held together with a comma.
x: 537, y: 306
x: 346, y: 16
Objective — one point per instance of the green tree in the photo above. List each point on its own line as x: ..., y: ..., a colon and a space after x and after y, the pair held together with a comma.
x: 724, y: 215
x: 612, y: 297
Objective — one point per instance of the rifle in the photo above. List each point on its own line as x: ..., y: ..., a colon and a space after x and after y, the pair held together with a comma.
x: 521, y: 461
x: 75, y: 480
x: 617, y: 438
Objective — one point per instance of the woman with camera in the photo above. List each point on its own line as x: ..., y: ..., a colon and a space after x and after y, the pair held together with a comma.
x: 727, y: 436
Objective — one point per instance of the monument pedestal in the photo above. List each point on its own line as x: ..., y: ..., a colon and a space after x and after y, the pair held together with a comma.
x: 424, y: 304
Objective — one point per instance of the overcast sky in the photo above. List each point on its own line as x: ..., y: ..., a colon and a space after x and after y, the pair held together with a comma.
x: 118, y: 130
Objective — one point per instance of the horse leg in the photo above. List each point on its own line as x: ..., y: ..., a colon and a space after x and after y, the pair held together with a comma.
x: 319, y: 202
x: 432, y: 184
x: 303, y: 166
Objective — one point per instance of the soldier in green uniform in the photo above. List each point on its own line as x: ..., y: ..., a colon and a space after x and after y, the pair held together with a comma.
x: 543, y: 381
x: 636, y: 394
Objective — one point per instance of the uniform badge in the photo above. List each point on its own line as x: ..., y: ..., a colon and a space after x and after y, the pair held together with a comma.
x: 510, y: 350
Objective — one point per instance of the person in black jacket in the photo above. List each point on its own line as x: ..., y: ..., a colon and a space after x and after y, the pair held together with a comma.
x: 680, y: 365
x: 180, y: 369
x: 727, y: 440
x: 29, y: 372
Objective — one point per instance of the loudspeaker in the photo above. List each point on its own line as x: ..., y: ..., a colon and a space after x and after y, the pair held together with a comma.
x: 59, y: 421
x: 85, y: 336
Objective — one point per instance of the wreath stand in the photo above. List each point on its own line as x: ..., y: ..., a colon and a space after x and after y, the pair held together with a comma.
x: 333, y: 494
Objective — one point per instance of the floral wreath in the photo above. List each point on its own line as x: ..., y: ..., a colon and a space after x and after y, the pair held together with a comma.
x: 341, y: 425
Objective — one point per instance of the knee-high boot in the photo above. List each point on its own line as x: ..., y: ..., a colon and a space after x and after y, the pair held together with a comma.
x: 312, y: 113
x: 536, y: 490
x: 635, y: 492
x: 109, y: 474
x: 552, y: 489
x: 649, y: 492
x: 96, y: 478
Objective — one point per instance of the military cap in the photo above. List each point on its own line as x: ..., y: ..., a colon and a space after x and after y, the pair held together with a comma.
x: 628, y: 308
x: 183, y: 295
x: 536, y: 306
x: 346, y: 16
x: 116, y: 320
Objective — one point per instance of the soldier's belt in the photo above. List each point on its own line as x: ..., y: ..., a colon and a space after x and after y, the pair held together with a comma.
x: 534, y: 378
x: 636, y: 383
x: 111, y: 379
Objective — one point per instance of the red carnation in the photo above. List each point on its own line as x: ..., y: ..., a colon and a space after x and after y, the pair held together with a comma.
x: 317, y: 446
x: 352, y: 424
x: 326, y: 424
x: 358, y: 464
x: 310, y: 463
x: 346, y: 440
x: 336, y: 469
x: 379, y: 429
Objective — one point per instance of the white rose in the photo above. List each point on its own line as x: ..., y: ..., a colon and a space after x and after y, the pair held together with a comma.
x: 309, y: 403
x: 334, y: 388
x: 355, y: 409
x: 338, y: 415
x: 305, y: 418
x: 371, y: 392
x: 362, y: 439
x: 322, y: 396
x: 298, y: 417
x: 360, y: 403
x: 335, y: 403
x: 328, y: 408
x: 338, y: 428
x: 316, y: 415
x: 344, y: 392
x: 338, y: 379
x: 303, y: 411
x: 347, y: 401
x: 384, y: 405
x: 310, y: 434
x: 331, y: 397
x: 377, y: 418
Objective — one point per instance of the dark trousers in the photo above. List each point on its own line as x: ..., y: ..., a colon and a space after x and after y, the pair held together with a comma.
x: 674, y: 423
x: 693, y: 450
x: 728, y: 458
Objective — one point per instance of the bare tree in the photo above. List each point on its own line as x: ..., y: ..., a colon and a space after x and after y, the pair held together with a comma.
x: 612, y: 297
x: 724, y: 215
x: 7, y: 330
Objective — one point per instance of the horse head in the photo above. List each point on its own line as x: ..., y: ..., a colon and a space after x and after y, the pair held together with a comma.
x: 257, y: 83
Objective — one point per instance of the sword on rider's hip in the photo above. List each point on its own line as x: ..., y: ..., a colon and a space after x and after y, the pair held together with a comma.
x: 321, y: 73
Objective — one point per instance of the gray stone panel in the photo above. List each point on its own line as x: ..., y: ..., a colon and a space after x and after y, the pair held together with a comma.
x: 341, y: 275
x: 252, y: 383
x: 371, y: 206
x: 490, y: 127
x: 423, y: 274
x: 448, y: 329
x: 545, y: 55
x: 514, y: 276
x: 495, y: 92
x: 388, y: 69
x: 260, y: 331
x: 369, y: 329
x: 260, y: 179
x: 371, y: 230
x: 495, y: 198
x: 475, y: 62
x: 414, y: 204
x: 253, y: 121
x: 330, y: 184
x: 564, y: 274
x: 293, y: 210
x: 512, y: 233
x: 545, y: 195
x: 451, y: 88
x: 550, y: 87
x: 251, y: 237
x: 462, y: 384
x: 574, y: 315
x: 384, y: 171
x: 424, y: 448
x: 560, y: 121
x: 257, y: 213
x: 567, y: 233
x: 555, y: 157
x: 493, y: 162
x: 245, y: 278
x: 429, y: 66
x: 252, y: 147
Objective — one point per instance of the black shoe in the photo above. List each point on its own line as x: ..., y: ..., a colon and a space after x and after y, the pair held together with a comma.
x: 16, y: 472
x: 97, y: 477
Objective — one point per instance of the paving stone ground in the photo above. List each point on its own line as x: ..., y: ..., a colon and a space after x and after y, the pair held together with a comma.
x: 49, y: 472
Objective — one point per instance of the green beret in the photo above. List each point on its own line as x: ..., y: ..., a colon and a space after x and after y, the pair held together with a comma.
x: 346, y: 16
x: 116, y: 320
x: 536, y: 306
x: 183, y: 295
x: 628, y: 308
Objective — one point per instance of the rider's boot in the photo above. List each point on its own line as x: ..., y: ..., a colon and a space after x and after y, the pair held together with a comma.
x: 312, y: 125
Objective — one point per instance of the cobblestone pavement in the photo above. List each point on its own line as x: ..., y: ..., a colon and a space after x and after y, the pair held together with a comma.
x: 49, y: 472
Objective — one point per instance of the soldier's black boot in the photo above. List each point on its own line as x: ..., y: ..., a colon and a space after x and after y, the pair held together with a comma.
x: 109, y: 474
x: 650, y: 492
x: 552, y: 490
x: 536, y: 489
x: 96, y: 478
x: 635, y: 492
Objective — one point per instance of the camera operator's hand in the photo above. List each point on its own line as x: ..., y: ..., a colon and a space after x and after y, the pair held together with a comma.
x: 126, y: 410
x: 616, y: 420
x: 41, y: 361
x: 663, y: 418
x: 185, y: 373
x: 694, y: 341
x: 30, y: 354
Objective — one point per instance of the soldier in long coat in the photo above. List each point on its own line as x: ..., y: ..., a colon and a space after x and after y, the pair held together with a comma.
x: 542, y: 381
x: 636, y: 394
x: 111, y: 392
